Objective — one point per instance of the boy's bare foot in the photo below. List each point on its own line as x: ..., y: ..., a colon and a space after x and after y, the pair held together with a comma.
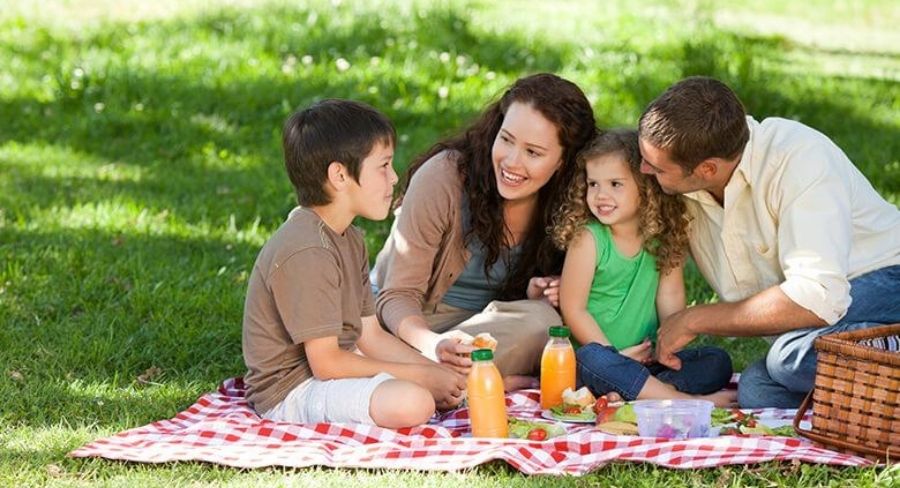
x: 724, y: 398
x: 515, y: 382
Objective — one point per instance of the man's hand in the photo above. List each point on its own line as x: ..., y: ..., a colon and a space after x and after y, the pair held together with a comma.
x: 446, y: 385
x: 641, y: 353
x: 675, y: 332
x: 453, y: 350
x: 544, y: 288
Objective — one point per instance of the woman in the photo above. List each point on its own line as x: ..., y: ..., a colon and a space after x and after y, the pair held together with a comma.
x: 469, y: 250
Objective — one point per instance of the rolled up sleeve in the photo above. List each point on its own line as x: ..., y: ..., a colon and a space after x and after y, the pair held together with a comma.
x: 814, y: 233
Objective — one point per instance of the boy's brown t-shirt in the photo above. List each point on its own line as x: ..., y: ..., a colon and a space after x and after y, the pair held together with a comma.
x: 308, y: 282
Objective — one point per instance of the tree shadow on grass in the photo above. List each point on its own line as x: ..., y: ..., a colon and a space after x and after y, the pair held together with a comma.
x: 209, y: 147
x: 841, y: 107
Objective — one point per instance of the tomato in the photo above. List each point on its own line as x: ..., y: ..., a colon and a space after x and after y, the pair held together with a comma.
x: 751, y: 423
x: 537, y: 434
x: 573, y: 410
x: 600, y: 404
x: 605, y: 414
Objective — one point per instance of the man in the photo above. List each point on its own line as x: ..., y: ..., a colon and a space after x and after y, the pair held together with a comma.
x: 788, y: 232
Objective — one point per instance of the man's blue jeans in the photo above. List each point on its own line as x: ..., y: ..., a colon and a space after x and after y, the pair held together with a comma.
x: 788, y: 372
x: 602, y: 369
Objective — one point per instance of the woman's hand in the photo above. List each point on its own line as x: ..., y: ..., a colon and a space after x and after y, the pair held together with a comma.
x: 453, y: 350
x: 544, y: 288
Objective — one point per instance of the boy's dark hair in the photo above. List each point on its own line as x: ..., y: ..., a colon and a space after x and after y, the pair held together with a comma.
x: 696, y: 119
x: 330, y: 130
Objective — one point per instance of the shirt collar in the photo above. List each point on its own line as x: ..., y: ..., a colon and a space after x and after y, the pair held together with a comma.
x: 739, y: 179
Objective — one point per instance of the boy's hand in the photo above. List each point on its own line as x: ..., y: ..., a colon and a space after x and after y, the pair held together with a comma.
x: 446, y: 386
x: 642, y: 353
x: 452, y: 352
x: 544, y: 288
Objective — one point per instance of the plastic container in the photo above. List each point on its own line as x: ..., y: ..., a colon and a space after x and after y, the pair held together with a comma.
x: 557, y: 367
x: 487, y: 402
x: 673, y: 419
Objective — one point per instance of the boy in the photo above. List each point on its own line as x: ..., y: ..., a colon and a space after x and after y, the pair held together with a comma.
x: 309, y: 304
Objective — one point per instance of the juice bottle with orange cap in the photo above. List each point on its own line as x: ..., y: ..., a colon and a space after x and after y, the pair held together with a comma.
x: 557, y: 367
x: 487, y: 402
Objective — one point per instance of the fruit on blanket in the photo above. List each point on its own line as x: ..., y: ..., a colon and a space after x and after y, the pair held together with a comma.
x: 537, y: 434
x: 484, y: 341
x: 616, y: 427
x: 606, y: 414
x: 601, y: 403
x: 625, y: 413
x: 582, y: 397
x: 526, y: 429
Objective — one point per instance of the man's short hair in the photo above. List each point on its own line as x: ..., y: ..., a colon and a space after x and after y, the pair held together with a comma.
x: 696, y: 119
x: 331, y: 130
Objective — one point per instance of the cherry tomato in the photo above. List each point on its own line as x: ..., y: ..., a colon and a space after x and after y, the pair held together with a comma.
x: 537, y: 434
x: 573, y: 410
x: 606, y: 414
x: 600, y: 404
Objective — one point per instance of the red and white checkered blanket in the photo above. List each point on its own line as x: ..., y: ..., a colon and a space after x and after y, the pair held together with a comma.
x: 221, y: 428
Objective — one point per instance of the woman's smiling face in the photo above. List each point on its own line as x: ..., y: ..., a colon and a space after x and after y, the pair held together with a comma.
x: 526, y: 152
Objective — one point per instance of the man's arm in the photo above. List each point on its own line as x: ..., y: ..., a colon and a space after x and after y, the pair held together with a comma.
x: 769, y: 312
x: 811, y: 196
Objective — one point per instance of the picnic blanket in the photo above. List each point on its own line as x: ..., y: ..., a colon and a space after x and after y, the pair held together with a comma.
x: 221, y: 428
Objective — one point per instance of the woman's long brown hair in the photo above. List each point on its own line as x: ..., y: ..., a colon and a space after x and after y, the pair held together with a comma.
x: 565, y: 105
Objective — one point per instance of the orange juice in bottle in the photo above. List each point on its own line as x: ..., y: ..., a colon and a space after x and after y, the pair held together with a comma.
x: 557, y: 367
x: 487, y: 402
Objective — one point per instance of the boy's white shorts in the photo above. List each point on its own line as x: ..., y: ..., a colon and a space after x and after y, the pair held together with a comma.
x: 315, y: 401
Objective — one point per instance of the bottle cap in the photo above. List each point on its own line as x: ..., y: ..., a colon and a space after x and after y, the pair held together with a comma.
x: 559, y: 331
x: 482, y: 355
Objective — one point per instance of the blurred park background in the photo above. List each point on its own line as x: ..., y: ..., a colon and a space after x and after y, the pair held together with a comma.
x: 140, y: 172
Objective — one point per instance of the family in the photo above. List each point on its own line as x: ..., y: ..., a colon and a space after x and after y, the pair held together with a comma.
x: 532, y: 216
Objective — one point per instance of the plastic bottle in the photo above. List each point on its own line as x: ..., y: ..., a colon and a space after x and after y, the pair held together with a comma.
x: 487, y: 402
x: 557, y: 367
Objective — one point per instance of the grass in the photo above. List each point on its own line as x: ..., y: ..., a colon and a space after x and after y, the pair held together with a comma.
x: 140, y: 173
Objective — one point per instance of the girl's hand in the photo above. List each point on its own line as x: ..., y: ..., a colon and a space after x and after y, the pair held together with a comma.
x: 642, y: 353
x: 544, y: 288
x: 452, y: 351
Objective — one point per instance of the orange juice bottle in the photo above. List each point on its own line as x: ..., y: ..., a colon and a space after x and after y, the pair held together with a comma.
x: 487, y: 403
x: 557, y: 367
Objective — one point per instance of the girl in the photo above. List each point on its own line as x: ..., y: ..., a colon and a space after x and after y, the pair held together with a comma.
x: 469, y: 250
x: 626, y: 244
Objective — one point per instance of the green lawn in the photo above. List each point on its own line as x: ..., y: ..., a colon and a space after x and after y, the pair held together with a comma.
x: 140, y: 172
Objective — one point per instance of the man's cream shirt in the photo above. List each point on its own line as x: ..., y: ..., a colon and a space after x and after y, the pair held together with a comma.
x: 797, y: 213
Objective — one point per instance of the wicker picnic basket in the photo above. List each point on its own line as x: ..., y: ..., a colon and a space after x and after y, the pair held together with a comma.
x: 856, y: 398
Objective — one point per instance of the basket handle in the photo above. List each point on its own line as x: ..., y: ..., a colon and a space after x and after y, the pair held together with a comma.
x: 801, y: 412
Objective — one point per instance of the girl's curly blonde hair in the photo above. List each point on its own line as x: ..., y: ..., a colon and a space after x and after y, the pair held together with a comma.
x: 663, y: 220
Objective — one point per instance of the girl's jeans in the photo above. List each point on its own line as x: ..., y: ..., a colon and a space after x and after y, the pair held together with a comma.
x: 602, y: 369
x: 788, y: 372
